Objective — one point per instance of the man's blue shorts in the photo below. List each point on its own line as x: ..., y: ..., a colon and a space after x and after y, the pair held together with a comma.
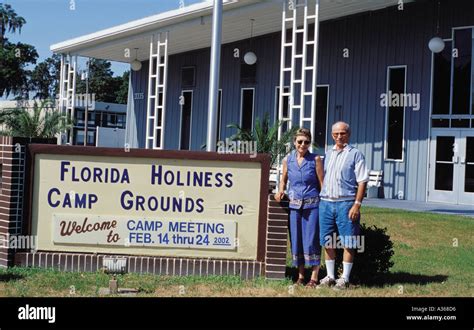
x: 335, y: 215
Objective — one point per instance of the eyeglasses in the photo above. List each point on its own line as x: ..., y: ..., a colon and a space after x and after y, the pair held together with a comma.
x: 306, y: 142
x: 336, y: 134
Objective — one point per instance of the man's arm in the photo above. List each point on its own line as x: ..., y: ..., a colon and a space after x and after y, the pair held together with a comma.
x: 354, y: 212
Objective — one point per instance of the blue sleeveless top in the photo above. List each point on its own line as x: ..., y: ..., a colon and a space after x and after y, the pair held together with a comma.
x: 303, y: 189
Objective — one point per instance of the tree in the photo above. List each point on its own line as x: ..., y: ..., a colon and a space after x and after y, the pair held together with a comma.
x: 45, y: 78
x: 122, y: 93
x: 9, y: 21
x: 266, y: 137
x: 14, y: 77
x: 42, y: 122
x: 14, y: 57
x: 103, y: 84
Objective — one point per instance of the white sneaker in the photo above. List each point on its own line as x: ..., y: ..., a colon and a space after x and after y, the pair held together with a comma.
x: 341, y: 284
x: 326, y: 282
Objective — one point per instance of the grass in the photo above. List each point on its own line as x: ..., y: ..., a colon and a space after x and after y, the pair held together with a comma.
x: 434, y: 256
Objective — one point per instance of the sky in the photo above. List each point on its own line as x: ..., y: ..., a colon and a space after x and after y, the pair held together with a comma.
x: 52, y: 21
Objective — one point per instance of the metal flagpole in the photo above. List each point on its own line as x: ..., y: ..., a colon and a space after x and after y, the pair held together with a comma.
x: 214, y: 75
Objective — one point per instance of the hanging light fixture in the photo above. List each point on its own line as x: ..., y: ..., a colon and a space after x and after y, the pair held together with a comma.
x: 136, y: 65
x: 250, y: 58
x: 436, y: 44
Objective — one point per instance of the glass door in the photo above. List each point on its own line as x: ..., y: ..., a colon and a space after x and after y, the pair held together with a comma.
x: 466, y: 164
x: 444, y: 169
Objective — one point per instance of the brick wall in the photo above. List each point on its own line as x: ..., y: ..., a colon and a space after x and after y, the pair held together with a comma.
x: 82, y: 262
x: 277, y: 239
x: 12, y: 162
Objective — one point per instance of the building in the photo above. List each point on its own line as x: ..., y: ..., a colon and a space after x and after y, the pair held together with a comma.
x: 104, y: 117
x: 106, y: 124
x: 368, y: 52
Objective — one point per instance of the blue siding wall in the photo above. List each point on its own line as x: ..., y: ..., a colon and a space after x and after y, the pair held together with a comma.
x: 375, y: 40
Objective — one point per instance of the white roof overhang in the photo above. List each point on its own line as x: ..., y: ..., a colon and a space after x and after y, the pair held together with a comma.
x: 190, y: 27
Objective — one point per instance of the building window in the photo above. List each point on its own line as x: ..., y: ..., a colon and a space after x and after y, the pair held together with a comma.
x: 120, y: 121
x: 395, y: 115
x: 91, y: 138
x: 79, y: 137
x: 80, y: 117
x: 219, y: 114
x: 111, y: 120
x: 248, y: 73
x: 320, y: 129
x: 442, y: 80
x: 186, y: 119
x: 188, y: 77
x: 462, y: 60
x: 247, y: 108
x: 98, y: 118
x: 453, y: 70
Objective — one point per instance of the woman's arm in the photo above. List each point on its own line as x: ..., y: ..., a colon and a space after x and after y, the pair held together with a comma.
x: 284, y: 179
x: 320, y: 171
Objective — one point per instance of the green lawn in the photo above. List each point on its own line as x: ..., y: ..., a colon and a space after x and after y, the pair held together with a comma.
x: 434, y: 256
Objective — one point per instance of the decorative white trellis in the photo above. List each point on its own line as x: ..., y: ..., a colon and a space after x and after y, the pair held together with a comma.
x: 157, y: 84
x: 67, y: 89
x: 293, y: 12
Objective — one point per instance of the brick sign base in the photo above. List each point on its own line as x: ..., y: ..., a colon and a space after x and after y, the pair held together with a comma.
x: 273, y: 268
x: 277, y: 239
x: 80, y: 262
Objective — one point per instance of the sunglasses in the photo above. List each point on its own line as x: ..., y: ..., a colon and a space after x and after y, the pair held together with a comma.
x: 306, y: 142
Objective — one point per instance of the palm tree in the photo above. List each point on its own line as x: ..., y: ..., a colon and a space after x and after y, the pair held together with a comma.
x: 9, y: 21
x: 41, y: 122
x: 266, y: 137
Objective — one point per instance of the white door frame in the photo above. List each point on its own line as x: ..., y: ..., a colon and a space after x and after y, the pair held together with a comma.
x: 464, y: 197
x: 457, y: 195
x: 442, y: 195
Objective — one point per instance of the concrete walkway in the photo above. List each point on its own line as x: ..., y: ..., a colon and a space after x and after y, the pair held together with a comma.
x: 464, y: 210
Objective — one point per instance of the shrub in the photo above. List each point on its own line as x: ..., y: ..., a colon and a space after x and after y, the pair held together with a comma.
x: 374, y: 262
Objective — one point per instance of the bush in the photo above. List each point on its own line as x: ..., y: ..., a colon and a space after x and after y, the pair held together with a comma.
x: 374, y: 262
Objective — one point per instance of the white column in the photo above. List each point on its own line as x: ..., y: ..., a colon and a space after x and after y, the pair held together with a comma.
x: 214, y: 76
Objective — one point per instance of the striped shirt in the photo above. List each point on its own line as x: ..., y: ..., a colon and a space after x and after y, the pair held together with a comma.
x: 343, y: 170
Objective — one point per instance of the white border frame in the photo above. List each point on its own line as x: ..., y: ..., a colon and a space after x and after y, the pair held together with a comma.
x: 190, y: 120
x: 242, y: 89
x: 386, y: 116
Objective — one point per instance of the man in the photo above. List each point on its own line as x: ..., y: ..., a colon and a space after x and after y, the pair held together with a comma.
x: 345, y: 180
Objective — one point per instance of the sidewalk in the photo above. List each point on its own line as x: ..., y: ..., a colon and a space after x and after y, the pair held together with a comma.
x: 464, y: 210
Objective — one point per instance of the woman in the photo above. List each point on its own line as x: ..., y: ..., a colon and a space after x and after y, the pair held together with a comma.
x: 305, y: 172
